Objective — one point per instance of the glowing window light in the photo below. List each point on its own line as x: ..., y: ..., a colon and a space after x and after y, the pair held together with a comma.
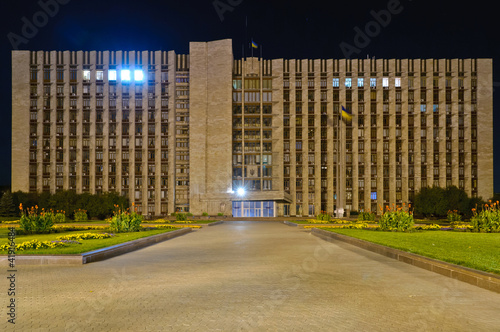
x: 112, y: 75
x: 86, y: 75
x: 138, y: 75
x: 125, y: 75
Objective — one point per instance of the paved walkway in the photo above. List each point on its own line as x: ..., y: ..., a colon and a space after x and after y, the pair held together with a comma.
x: 247, y: 276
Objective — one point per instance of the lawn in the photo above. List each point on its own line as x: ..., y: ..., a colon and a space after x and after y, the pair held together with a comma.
x: 479, y: 251
x: 85, y: 246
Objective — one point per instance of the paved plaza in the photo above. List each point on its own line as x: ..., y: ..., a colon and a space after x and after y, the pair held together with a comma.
x: 247, y: 276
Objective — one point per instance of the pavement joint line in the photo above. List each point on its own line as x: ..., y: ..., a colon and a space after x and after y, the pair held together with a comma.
x: 485, y: 280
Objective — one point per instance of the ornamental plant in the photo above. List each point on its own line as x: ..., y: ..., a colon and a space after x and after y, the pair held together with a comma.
x: 180, y: 217
x: 59, y: 217
x: 396, y: 219
x: 35, y: 244
x: 33, y: 222
x: 366, y: 216
x: 81, y: 215
x: 453, y: 217
x: 323, y: 216
x: 488, y: 219
x: 85, y: 236
x: 125, y: 220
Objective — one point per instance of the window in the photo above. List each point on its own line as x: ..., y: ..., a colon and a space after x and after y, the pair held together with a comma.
x: 348, y: 82
x: 373, y: 82
x: 385, y: 82
x: 336, y: 82
x: 361, y: 82
x: 99, y: 75
x: 86, y: 75
x: 112, y: 75
x: 125, y: 75
x: 138, y: 75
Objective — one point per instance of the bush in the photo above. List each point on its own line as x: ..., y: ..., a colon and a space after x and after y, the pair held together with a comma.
x: 366, y: 216
x: 59, y: 217
x: 220, y: 214
x: 189, y: 214
x: 204, y: 214
x: 488, y: 220
x: 32, y: 222
x: 81, y: 215
x: 180, y: 217
x: 396, y: 220
x: 437, y: 201
x: 125, y: 220
x: 323, y: 217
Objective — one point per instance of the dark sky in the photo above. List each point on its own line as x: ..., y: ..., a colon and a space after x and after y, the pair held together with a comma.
x: 284, y: 29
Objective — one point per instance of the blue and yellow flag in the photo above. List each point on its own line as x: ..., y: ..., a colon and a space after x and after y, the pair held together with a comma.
x: 346, y: 115
x: 254, y: 44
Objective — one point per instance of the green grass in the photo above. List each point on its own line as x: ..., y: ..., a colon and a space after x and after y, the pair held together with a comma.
x: 87, y: 245
x: 479, y: 251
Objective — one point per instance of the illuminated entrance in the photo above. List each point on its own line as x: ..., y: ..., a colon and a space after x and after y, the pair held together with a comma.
x: 253, y: 208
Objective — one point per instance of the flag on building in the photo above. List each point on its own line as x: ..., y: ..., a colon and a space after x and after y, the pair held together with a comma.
x: 346, y: 115
x: 254, y: 44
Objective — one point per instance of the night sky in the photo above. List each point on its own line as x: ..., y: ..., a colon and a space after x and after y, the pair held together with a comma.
x: 284, y: 29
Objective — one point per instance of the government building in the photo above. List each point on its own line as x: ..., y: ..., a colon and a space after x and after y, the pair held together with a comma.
x: 204, y: 132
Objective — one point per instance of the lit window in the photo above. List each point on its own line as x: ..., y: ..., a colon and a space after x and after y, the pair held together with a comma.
x: 125, y: 75
x: 385, y: 82
x: 373, y: 195
x: 112, y: 75
x: 336, y: 82
x: 373, y: 82
x: 99, y: 75
x: 397, y: 82
x: 361, y: 82
x: 138, y: 75
x: 86, y: 75
x: 348, y: 82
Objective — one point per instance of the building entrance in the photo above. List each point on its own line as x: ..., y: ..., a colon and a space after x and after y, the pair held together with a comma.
x: 254, y: 209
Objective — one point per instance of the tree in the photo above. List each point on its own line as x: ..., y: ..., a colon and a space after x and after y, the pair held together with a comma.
x: 437, y: 201
x: 7, y: 206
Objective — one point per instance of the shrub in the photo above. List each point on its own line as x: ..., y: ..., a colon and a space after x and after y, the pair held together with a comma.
x: 32, y: 222
x: 220, y: 214
x: 323, y: 217
x: 204, y: 214
x: 59, y: 217
x: 81, y: 215
x: 488, y: 220
x: 396, y: 219
x: 180, y: 217
x: 366, y: 216
x: 189, y: 214
x: 125, y: 220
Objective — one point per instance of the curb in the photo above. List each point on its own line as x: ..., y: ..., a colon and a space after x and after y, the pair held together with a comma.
x: 99, y: 254
x: 289, y: 223
x: 485, y: 280
x: 216, y: 223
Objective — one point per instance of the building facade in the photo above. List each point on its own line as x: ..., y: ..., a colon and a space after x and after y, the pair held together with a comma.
x: 203, y: 132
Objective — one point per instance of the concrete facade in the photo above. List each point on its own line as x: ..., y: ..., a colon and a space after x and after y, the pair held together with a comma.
x: 198, y: 127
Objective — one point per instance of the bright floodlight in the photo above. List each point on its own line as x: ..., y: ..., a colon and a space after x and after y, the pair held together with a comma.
x: 241, y: 191
x: 112, y: 75
x: 138, y: 75
x: 125, y: 75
